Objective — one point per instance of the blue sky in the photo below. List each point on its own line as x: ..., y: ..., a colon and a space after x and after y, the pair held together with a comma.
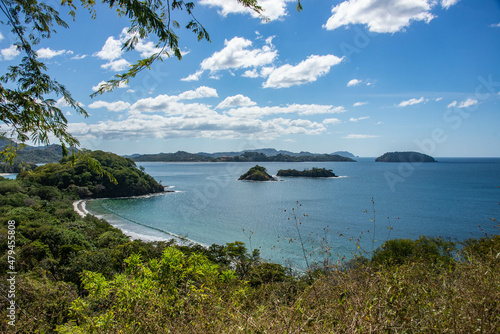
x: 366, y: 76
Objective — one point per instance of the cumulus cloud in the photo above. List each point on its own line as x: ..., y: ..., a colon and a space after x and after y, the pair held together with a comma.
x: 383, y: 16
x: 359, y: 104
x: 251, y: 74
x: 273, y: 9
x: 172, y: 116
x: 463, y: 104
x: 1, y: 37
x: 10, y: 53
x: 411, y: 102
x: 353, y: 82
x: 111, y: 106
x: 300, y: 109
x: 48, y: 53
x: 497, y: 25
x: 112, y: 50
x: 117, y: 65
x: 96, y: 87
x: 200, y: 92
x: 352, y: 119
x: 358, y: 136
x: 236, y: 54
x: 236, y: 101
x: 306, y: 71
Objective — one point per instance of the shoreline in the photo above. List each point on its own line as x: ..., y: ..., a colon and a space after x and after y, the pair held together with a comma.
x: 80, y: 208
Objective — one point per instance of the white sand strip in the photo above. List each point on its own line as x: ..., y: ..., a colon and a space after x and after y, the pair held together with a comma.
x: 79, y: 207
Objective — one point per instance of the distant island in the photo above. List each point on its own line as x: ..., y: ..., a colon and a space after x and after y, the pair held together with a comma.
x: 264, y: 155
x: 405, y: 157
x: 314, y: 172
x: 257, y: 173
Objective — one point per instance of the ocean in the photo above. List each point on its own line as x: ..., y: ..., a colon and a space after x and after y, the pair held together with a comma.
x: 370, y: 202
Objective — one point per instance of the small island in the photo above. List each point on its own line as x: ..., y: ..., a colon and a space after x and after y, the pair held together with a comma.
x: 257, y: 173
x: 405, y: 157
x: 314, y: 172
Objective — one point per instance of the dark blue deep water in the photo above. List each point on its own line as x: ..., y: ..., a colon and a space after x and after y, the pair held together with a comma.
x: 450, y: 198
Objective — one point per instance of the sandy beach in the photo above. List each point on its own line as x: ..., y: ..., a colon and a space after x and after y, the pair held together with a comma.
x: 79, y: 207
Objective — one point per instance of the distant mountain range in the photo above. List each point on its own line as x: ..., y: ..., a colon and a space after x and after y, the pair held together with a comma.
x: 258, y: 155
x: 273, y: 152
x: 35, y: 154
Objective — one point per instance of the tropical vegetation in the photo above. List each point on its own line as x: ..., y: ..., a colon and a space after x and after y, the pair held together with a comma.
x: 256, y: 173
x: 313, y: 172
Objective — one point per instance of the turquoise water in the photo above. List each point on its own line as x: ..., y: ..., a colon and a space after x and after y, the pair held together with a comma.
x: 449, y: 199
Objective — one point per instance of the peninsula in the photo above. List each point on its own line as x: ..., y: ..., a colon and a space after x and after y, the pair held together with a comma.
x: 405, y: 157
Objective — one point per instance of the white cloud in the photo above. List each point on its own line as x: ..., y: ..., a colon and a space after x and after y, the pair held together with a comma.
x: 411, y: 102
x: 193, y: 77
x: 78, y: 57
x: 147, y: 49
x: 306, y: 71
x: 201, y: 125
x: 352, y: 119
x: 96, y: 87
x: 437, y: 99
x: 251, y: 73
x: 359, y: 104
x: 10, y: 53
x: 357, y: 136
x: 111, y: 106
x: 174, y: 116
x: 464, y: 104
x: 236, y: 101
x: 200, y: 92
x: 61, y: 103
x: 236, y: 54
x: 382, y: 16
x: 48, y: 53
x: 300, y: 109
x: 273, y: 9
x: 448, y: 3
x: 1, y: 37
x: 353, y: 82
x: 116, y: 65
x: 497, y: 25
x: 111, y: 50
x: 331, y: 121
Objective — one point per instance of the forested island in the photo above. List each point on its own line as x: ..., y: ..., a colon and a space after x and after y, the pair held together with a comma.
x: 257, y: 173
x: 405, y: 157
x: 247, y: 156
x: 314, y: 172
